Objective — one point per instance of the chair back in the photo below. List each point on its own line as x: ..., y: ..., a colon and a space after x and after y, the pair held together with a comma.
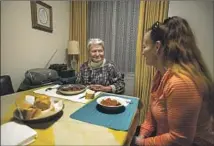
x: 6, y: 86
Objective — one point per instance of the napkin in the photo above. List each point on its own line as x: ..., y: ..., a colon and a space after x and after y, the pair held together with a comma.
x: 127, y: 101
x: 10, y: 134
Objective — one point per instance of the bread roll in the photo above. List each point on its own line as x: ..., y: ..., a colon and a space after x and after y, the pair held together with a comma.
x: 25, y: 105
x: 29, y: 111
x: 42, y: 102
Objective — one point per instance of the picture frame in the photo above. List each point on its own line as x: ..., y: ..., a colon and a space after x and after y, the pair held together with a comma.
x: 42, y: 17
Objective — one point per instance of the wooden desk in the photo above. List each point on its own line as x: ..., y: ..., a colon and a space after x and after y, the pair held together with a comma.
x: 65, y: 131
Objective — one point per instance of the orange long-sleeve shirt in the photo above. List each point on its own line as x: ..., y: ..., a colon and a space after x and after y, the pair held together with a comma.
x: 177, y: 112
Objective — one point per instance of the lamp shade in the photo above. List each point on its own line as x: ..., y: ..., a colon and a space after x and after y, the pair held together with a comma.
x: 73, y: 47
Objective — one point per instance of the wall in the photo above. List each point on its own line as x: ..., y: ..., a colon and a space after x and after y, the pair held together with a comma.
x: 200, y: 15
x: 23, y: 47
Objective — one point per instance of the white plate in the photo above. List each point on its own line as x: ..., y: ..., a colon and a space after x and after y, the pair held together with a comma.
x: 120, y: 100
x: 58, y: 107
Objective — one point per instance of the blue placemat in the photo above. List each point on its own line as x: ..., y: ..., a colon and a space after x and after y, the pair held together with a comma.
x: 92, y: 113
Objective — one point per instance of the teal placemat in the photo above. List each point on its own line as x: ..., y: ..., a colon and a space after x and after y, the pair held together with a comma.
x: 94, y: 114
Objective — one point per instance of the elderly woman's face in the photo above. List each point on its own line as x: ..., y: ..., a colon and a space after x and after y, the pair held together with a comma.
x: 96, y: 53
x: 149, y: 50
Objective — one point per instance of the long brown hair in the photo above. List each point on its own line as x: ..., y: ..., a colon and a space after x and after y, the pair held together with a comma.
x: 182, y: 54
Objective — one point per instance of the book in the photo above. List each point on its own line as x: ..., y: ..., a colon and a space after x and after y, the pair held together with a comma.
x: 13, y: 133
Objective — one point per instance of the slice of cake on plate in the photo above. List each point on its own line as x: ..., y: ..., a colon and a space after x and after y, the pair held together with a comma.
x: 89, y: 94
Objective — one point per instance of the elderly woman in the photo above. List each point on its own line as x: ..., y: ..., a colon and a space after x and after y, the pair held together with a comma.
x: 181, y: 103
x: 99, y: 73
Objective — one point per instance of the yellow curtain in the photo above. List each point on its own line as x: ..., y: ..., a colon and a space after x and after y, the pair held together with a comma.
x: 78, y: 28
x: 150, y: 12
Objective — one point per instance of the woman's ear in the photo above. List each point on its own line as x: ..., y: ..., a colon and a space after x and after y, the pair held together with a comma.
x: 158, y: 47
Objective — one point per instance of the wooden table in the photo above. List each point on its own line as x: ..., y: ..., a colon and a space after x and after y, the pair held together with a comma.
x: 67, y: 131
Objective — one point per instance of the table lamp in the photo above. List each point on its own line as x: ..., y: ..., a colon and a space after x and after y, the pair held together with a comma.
x: 73, y: 50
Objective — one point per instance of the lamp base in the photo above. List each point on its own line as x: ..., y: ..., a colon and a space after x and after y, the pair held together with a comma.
x: 74, y: 64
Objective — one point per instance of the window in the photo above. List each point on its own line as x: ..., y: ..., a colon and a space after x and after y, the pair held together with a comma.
x: 116, y: 22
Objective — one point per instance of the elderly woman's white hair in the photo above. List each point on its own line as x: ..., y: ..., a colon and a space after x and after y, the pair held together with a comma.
x: 95, y: 41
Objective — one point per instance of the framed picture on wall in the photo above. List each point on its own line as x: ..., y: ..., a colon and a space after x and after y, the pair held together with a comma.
x: 42, y: 17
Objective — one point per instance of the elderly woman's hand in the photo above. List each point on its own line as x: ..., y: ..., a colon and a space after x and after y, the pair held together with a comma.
x: 97, y: 87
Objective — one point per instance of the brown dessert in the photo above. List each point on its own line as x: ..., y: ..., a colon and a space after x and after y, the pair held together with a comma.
x: 72, y: 88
